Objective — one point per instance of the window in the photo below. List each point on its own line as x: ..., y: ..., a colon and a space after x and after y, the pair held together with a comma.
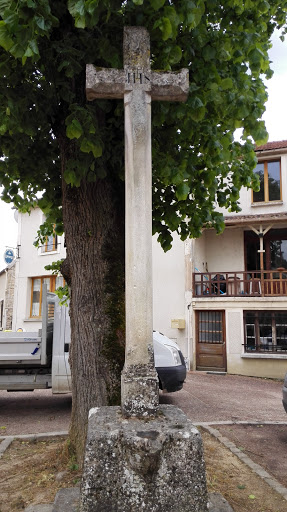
x: 50, y: 244
x: 269, y: 173
x: 52, y: 282
x: 210, y: 327
x: 278, y: 254
x: 265, y: 331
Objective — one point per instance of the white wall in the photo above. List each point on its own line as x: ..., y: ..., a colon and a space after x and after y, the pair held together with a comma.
x: 200, y: 253
x: 169, y: 290
x: 31, y: 263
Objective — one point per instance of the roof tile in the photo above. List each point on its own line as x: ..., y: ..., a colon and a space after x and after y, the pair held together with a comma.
x: 272, y: 145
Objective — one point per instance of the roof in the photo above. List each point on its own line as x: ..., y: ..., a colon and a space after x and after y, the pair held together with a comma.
x: 279, y: 144
x: 263, y: 217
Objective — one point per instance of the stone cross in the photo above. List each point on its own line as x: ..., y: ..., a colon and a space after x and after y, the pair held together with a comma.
x: 138, y: 85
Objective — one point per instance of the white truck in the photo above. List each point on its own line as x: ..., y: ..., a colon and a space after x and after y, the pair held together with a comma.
x: 31, y: 360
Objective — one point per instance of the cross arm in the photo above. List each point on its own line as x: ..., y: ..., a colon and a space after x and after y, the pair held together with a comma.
x: 170, y: 86
x: 106, y: 83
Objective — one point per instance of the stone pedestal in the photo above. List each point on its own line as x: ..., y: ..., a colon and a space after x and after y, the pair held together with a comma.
x: 153, y: 465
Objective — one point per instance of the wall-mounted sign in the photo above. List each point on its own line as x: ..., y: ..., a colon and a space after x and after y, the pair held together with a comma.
x: 9, y: 256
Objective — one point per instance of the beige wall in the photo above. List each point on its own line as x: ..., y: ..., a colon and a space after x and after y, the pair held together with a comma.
x: 274, y: 367
x: 220, y: 253
x: 225, y: 253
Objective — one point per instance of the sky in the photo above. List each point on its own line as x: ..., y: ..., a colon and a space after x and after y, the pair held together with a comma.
x: 275, y: 119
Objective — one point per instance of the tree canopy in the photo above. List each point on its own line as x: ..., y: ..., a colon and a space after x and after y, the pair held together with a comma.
x: 197, y: 164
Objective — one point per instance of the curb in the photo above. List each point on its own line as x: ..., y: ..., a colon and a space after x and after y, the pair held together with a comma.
x: 7, y: 440
x: 244, y: 422
x: 5, y: 444
x: 259, y: 470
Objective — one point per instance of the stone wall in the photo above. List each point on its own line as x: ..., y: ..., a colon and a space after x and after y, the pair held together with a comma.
x: 9, y: 297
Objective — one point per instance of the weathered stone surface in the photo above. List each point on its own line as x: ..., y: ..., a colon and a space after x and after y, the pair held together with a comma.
x: 67, y: 500
x: 169, y: 86
x: 140, y: 391
x: 217, y: 503
x: 104, y: 83
x: 9, y: 296
x: 154, y: 465
x: 39, y: 508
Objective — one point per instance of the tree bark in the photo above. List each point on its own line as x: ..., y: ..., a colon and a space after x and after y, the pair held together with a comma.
x: 94, y: 230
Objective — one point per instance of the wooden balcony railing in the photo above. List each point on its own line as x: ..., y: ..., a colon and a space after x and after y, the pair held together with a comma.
x: 238, y: 284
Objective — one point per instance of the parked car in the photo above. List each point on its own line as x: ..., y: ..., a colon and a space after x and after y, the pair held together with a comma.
x: 285, y: 393
x: 169, y: 363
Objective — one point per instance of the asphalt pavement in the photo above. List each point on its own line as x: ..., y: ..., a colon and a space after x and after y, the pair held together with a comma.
x: 204, y: 398
x: 214, y: 397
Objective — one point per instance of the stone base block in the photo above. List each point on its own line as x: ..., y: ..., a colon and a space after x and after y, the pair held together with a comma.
x: 152, y: 465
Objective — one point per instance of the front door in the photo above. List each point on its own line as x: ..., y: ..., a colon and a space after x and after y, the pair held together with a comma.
x: 210, y: 341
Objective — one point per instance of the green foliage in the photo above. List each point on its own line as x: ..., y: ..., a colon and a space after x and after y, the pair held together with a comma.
x: 62, y: 292
x: 49, y: 131
x: 55, y: 267
x: 52, y: 225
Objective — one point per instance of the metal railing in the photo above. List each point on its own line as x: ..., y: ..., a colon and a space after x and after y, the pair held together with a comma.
x: 264, y: 347
x: 239, y: 284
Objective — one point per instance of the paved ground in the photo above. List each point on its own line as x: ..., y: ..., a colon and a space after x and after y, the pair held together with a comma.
x: 218, y: 399
x: 205, y: 398
x: 33, y: 412
x: 210, y: 397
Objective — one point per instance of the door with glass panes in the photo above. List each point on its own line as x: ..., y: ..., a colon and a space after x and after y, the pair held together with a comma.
x: 210, y: 341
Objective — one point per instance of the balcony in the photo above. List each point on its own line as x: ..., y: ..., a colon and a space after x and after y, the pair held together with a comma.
x: 266, y: 283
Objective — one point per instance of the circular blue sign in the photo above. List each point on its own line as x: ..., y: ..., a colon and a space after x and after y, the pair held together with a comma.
x: 9, y: 256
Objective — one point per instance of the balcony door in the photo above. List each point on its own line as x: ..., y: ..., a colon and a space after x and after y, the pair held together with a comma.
x: 275, y: 246
x: 210, y: 341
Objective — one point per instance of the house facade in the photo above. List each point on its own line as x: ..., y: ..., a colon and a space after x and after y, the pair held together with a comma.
x: 234, y: 296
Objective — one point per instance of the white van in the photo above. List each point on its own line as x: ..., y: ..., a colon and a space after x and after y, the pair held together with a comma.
x: 30, y: 360
x: 169, y: 363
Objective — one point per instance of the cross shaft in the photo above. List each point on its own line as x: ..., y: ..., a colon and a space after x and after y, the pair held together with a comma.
x: 138, y: 85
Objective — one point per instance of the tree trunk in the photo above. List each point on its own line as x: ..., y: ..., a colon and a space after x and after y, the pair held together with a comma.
x: 94, y: 232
